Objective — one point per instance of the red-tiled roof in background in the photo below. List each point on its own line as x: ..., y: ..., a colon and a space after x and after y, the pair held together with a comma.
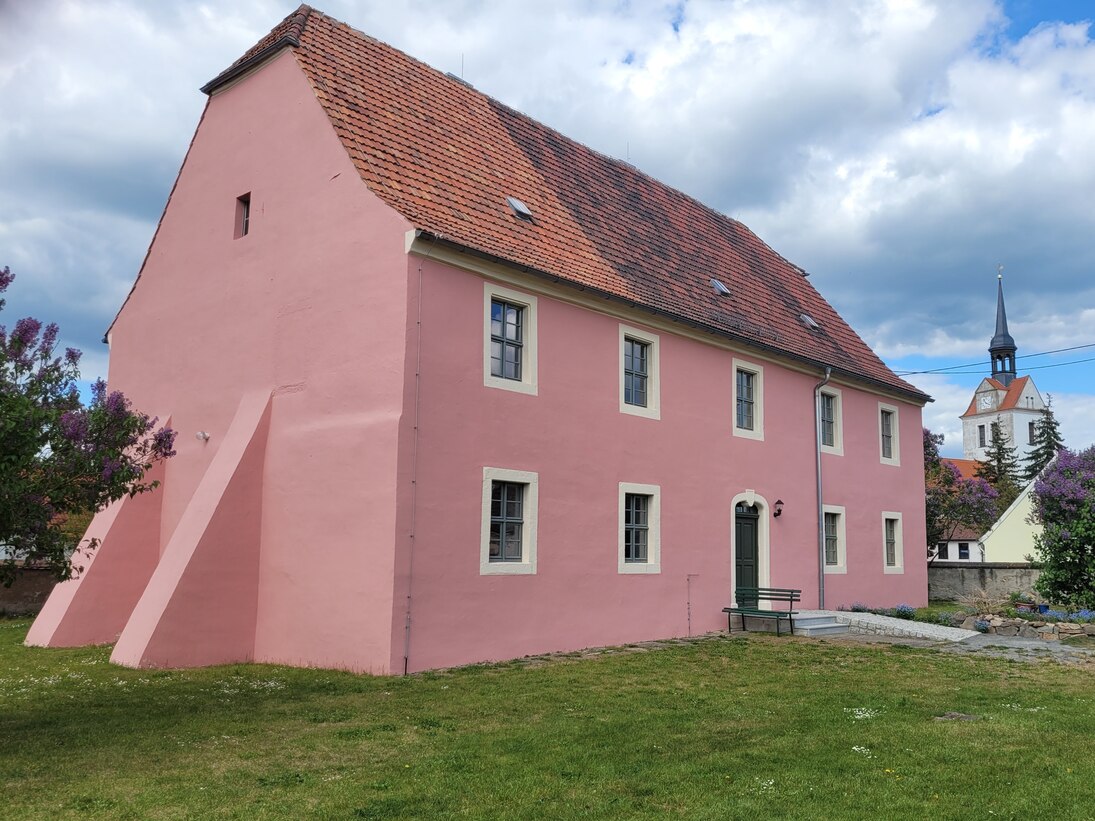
x: 966, y: 467
x: 1014, y: 392
x: 446, y: 157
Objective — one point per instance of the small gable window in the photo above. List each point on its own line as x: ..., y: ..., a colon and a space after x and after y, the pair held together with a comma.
x: 243, y: 215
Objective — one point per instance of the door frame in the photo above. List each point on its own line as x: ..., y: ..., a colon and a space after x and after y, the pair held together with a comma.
x: 750, y: 498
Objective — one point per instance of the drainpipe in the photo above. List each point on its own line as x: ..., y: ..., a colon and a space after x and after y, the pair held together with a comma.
x: 820, y: 503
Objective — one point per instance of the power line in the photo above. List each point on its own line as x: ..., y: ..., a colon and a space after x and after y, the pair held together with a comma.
x: 983, y: 363
x: 1031, y: 368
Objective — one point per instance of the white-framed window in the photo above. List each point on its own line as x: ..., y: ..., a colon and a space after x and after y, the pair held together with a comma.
x: 640, y: 517
x: 889, y: 441
x: 964, y: 551
x: 509, y: 345
x: 640, y: 384
x: 980, y: 436
x: 748, y: 400
x: 832, y: 425
x: 836, y: 543
x: 893, y: 554
x: 942, y: 550
x: 508, y: 540
x: 1032, y: 432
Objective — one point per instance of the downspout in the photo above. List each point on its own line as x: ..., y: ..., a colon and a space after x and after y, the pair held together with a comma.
x: 820, y: 502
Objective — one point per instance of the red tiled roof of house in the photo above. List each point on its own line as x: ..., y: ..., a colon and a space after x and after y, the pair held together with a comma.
x: 447, y: 156
x: 1011, y: 398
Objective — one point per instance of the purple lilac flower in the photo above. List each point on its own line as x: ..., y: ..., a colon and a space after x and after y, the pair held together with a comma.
x: 74, y: 425
x: 72, y: 356
x: 26, y: 331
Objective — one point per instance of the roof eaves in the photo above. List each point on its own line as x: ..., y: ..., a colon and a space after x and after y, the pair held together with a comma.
x: 914, y: 395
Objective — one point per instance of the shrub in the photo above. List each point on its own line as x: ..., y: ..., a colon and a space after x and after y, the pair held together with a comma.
x: 981, y: 626
x: 904, y: 611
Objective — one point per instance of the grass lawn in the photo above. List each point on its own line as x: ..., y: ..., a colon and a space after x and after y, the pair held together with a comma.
x: 721, y: 728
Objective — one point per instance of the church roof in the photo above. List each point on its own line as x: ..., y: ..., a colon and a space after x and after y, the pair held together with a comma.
x: 447, y: 157
x: 1011, y: 398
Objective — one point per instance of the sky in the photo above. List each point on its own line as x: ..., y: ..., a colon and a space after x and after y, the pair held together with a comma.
x: 898, y: 150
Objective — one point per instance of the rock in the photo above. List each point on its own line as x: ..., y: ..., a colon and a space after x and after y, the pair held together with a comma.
x: 995, y: 621
x: 1048, y: 633
x: 1007, y: 630
x: 1027, y: 632
x: 1071, y: 628
x: 1037, y: 624
x: 953, y: 716
x: 970, y: 623
x: 1089, y: 629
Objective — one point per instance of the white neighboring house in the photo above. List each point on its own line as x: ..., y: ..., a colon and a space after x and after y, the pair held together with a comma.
x: 1011, y: 539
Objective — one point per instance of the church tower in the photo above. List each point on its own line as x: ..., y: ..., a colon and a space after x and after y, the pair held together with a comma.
x: 1004, y: 399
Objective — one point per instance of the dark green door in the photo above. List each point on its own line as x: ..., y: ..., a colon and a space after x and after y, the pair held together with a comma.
x: 746, y: 519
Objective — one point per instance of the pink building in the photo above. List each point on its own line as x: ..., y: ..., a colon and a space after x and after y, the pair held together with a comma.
x: 452, y: 387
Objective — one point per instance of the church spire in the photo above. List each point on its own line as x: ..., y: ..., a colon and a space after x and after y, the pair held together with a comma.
x: 1002, y: 348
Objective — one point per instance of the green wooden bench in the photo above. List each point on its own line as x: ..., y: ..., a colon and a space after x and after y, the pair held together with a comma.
x: 750, y: 597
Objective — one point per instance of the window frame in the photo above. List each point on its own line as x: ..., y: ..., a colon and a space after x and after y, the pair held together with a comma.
x: 962, y: 558
x: 636, y: 372
x: 653, y: 563
x: 652, y: 409
x: 530, y: 505
x: 894, y: 459
x: 981, y: 436
x: 841, y: 566
x: 757, y: 372
x: 527, y: 384
x: 1031, y: 431
x: 837, y: 448
x: 898, y: 566
x: 242, y: 226
x: 943, y: 551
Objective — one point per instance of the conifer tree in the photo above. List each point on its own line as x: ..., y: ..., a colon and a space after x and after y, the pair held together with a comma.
x: 1047, y: 442
x: 1000, y: 468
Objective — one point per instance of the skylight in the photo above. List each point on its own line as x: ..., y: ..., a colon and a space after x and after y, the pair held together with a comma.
x: 809, y: 322
x: 720, y: 289
x: 520, y: 209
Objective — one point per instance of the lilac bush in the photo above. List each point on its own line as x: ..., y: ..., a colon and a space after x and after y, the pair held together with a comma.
x: 58, y: 457
x: 952, y: 503
x: 1064, y: 505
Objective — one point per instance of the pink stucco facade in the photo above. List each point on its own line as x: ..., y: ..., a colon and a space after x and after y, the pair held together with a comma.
x: 334, y: 516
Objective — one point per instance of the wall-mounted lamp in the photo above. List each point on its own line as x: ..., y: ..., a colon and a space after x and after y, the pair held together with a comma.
x: 779, y: 508
x: 203, y: 436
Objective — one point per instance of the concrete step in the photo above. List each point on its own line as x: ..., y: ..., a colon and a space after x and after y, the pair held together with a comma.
x: 809, y: 620
x: 816, y: 628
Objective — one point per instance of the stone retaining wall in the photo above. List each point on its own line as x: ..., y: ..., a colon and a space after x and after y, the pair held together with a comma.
x: 1047, y: 631
x: 952, y: 581
x: 27, y: 593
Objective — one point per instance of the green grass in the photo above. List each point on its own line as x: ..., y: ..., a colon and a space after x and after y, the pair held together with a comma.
x: 721, y: 728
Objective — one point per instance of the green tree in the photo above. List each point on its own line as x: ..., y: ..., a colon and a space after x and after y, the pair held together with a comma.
x: 60, y: 460
x: 1000, y: 469
x: 1064, y: 505
x: 951, y: 502
x: 1047, y: 442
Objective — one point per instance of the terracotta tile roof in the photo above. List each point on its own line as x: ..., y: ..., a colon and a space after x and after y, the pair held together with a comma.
x: 446, y: 157
x: 966, y: 467
x: 1011, y: 398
